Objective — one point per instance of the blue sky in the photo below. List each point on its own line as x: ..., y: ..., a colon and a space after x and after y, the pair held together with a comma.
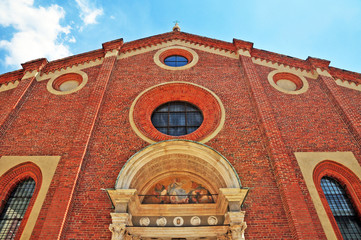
x: 328, y: 29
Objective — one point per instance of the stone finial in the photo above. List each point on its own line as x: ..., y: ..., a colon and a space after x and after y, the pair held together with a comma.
x: 176, y: 28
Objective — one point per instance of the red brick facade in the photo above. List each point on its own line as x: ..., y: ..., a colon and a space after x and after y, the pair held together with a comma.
x: 263, y: 128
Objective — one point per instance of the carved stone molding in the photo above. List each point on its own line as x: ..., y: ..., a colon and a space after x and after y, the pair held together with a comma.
x: 119, y: 225
x: 237, y: 224
x: 238, y: 231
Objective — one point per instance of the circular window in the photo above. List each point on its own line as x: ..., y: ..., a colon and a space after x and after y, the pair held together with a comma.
x: 175, y: 61
x: 67, y: 83
x: 176, y: 58
x: 288, y: 82
x: 177, y: 118
x: 176, y: 110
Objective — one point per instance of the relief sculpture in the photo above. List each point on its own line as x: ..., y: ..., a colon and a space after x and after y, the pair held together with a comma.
x: 178, y: 190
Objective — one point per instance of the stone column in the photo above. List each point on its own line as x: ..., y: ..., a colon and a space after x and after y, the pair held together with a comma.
x: 237, y: 224
x: 121, y: 218
x: 119, y: 224
x: 234, y: 217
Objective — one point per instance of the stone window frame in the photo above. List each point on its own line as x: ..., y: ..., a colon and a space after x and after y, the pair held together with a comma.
x: 315, y: 165
x: 10, y: 180
x: 163, y: 53
x: 15, y: 168
x: 346, y: 178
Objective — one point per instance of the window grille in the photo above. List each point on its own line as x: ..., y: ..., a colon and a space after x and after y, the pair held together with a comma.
x: 342, y: 209
x: 175, y: 61
x: 177, y: 118
x: 15, y: 208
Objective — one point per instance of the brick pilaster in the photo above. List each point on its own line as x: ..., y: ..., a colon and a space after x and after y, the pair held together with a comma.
x: 341, y: 102
x: 58, y: 209
x: 11, y: 107
x: 296, y: 209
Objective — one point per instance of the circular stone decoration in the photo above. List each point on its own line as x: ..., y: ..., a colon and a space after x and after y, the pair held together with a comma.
x: 212, y: 220
x: 209, y: 105
x: 67, y: 83
x: 185, y: 53
x: 195, y: 221
x: 178, y: 221
x: 287, y: 82
x: 144, y: 221
x: 161, y: 222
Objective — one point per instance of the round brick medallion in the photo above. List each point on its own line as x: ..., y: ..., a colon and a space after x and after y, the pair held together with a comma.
x: 149, y: 100
x: 288, y: 82
x: 67, y: 83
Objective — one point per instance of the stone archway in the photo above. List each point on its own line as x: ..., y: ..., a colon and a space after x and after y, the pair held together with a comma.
x: 206, y: 205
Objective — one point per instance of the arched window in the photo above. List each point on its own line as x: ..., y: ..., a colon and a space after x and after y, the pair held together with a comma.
x: 342, y: 209
x: 15, y: 207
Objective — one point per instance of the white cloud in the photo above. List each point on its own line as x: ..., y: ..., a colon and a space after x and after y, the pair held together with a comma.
x: 72, y: 39
x: 38, y: 31
x: 88, y: 13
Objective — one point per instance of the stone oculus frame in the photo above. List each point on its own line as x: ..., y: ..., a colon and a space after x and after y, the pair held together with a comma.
x: 178, y: 157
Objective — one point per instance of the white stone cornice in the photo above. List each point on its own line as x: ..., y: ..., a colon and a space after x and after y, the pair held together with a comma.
x: 244, y: 52
x: 183, y: 43
x: 74, y: 68
x: 348, y: 84
x: 8, y: 86
x: 29, y: 74
x: 111, y: 53
x: 283, y: 67
x: 323, y: 72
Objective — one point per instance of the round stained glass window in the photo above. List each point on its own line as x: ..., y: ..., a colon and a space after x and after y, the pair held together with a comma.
x: 177, y: 118
x: 175, y: 61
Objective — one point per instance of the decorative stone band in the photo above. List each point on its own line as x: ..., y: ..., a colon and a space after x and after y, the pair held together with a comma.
x: 9, y: 86
x: 349, y: 84
x: 142, y: 220
x: 181, y: 43
x: 283, y: 67
x: 75, y: 68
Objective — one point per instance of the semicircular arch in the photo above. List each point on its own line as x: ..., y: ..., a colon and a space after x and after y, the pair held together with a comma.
x: 177, y: 156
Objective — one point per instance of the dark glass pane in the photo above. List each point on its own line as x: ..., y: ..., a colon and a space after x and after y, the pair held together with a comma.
x: 177, y: 107
x: 342, y: 208
x: 15, y: 208
x: 160, y: 119
x: 163, y: 108
x: 191, y: 129
x: 171, y: 64
x: 163, y: 130
x: 177, y: 131
x: 194, y: 119
x: 191, y: 108
x: 171, y: 58
x: 177, y: 118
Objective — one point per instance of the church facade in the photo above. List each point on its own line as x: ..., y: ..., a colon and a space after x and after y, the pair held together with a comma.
x: 178, y: 136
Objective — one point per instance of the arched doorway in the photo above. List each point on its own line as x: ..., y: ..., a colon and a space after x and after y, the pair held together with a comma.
x: 177, y: 189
